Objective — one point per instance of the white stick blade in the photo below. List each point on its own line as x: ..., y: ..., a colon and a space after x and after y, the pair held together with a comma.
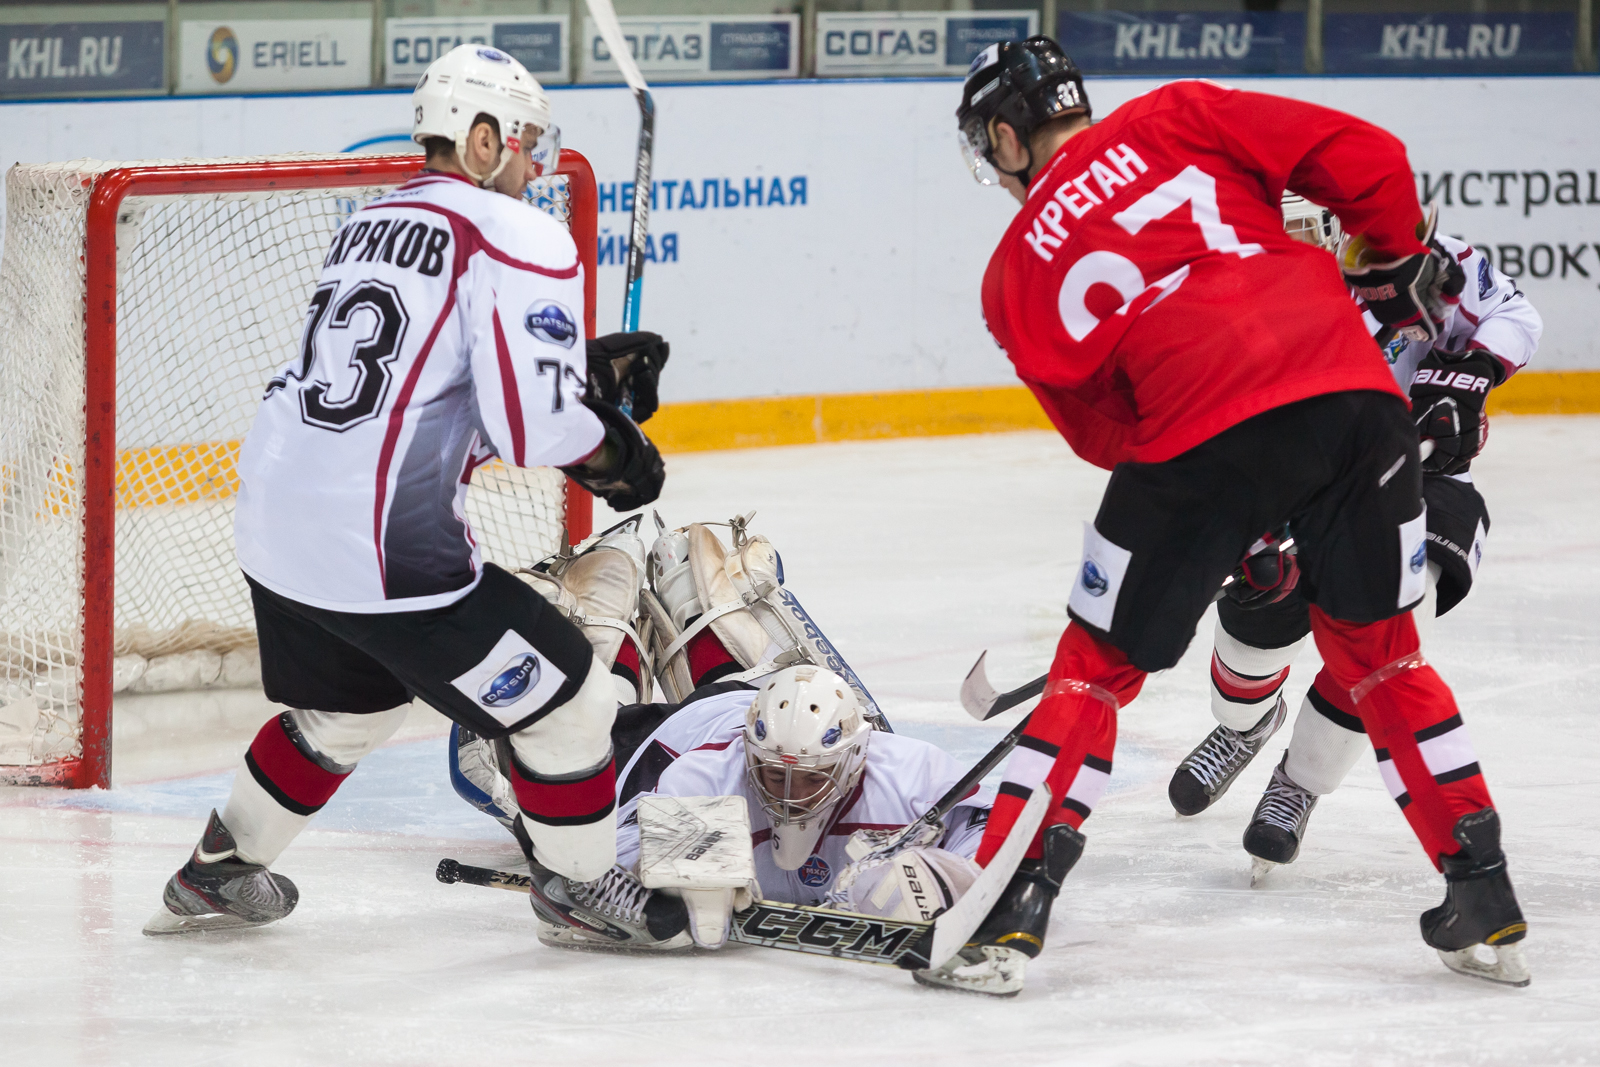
x: 955, y: 927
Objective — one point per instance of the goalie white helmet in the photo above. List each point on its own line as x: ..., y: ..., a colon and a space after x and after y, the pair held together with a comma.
x: 1311, y: 223
x: 474, y: 79
x: 805, y: 744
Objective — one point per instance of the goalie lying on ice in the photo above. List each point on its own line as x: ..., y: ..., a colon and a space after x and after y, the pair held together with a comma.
x: 819, y: 784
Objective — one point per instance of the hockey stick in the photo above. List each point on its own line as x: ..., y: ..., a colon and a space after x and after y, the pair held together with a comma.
x: 605, y: 19
x: 983, y: 702
x: 844, y: 934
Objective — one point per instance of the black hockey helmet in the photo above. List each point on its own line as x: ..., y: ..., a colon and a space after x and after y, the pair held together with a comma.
x: 1023, y: 83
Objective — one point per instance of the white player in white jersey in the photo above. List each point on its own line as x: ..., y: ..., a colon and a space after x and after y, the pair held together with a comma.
x: 1262, y: 624
x: 444, y: 331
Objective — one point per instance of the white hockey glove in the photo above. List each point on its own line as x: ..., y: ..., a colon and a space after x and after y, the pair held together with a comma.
x: 914, y: 884
x: 698, y: 848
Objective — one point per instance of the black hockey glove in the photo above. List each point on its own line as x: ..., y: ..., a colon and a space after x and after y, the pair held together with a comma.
x: 626, y: 470
x: 1447, y: 398
x: 624, y: 369
x: 1268, y: 574
x: 1414, y: 295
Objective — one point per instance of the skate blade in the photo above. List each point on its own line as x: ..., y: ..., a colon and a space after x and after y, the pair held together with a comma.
x: 568, y: 938
x: 1259, y: 869
x: 165, y: 922
x: 1510, y: 967
x: 1001, y: 974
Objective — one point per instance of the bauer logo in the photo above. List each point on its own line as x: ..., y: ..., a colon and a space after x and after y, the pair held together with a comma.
x: 1419, y: 558
x: 1094, y: 579
x: 549, y: 321
x: 815, y: 871
x: 512, y: 683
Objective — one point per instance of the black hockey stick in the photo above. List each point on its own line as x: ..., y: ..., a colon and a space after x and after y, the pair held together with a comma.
x: 605, y: 18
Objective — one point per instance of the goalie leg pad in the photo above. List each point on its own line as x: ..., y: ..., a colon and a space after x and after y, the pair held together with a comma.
x: 565, y: 781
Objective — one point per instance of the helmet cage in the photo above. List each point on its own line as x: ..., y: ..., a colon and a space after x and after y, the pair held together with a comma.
x: 841, y: 769
x: 1311, y: 223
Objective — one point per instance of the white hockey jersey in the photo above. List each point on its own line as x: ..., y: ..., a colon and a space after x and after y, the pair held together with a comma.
x: 903, y: 779
x: 1493, y: 314
x: 447, y: 328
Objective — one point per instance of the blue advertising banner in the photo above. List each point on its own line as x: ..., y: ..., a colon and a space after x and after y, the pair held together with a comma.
x: 1185, y: 42
x: 752, y: 46
x: 964, y: 38
x: 536, y: 45
x: 1448, y: 44
x: 62, y: 58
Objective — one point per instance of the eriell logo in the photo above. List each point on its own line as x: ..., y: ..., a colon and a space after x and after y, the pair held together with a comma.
x: 512, y: 683
x: 551, y: 322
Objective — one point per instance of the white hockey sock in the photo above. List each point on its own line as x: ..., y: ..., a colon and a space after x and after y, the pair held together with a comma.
x: 330, y: 744
x: 1321, y: 752
x: 1245, y: 680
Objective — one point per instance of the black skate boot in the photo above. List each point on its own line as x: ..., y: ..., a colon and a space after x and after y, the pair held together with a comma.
x: 216, y: 890
x: 995, y: 961
x: 615, y: 911
x: 1480, y: 907
x: 1279, y: 824
x: 1208, y: 771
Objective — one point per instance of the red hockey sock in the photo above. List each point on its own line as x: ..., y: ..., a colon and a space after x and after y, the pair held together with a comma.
x: 626, y: 666
x: 565, y: 801
x: 1424, y: 754
x: 288, y: 774
x: 709, y: 658
x: 1069, y: 741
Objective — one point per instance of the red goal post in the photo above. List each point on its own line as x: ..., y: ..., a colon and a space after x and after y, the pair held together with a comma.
x: 158, y: 484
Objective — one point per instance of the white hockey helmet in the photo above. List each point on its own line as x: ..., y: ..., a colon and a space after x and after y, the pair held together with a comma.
x: 1310, y: 223
x: 474, y: 79
x: 805, y: 748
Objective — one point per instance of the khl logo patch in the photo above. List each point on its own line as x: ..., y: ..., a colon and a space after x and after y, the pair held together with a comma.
x: 1094, y: 579
x: 1485, y: 279
x: 512, y: 683
x: 815, y: 871
x: 551, y: 322
x: 1419, y: 558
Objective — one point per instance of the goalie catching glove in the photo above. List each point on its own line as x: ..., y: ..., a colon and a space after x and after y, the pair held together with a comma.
x: 625, y: 371
x: 1448, y: 393
x: 1416, y: 294
x: 626, y: 471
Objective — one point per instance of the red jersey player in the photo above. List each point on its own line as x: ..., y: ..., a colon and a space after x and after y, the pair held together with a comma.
x: 1148, y: 295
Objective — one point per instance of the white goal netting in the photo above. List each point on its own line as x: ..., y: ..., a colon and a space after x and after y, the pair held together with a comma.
x: 211, y: 292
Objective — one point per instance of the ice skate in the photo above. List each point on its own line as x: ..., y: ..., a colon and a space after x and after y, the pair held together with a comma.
x: 1207, y: 772
x: 1480, y: 908
x: 995, y: 961
x: 1279, y: 824
x: 216, y: 890
x: 615, y: 911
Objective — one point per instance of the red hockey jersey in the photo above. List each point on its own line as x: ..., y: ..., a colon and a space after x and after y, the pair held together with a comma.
x: 1147, y: 293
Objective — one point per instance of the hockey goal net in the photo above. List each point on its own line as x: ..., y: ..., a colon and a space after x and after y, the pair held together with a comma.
x: 143, y: 307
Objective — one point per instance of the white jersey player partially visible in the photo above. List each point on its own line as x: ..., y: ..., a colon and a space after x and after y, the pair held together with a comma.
x: 442, y: 332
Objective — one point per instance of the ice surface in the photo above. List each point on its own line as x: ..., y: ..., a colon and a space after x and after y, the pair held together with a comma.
x: 914, y: 555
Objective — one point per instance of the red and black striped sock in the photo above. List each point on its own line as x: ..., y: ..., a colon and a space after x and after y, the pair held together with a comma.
x: 292, y: 773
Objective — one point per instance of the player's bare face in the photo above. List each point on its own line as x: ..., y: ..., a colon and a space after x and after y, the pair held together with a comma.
x: 800, y: 788
x: 1009, y: 156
